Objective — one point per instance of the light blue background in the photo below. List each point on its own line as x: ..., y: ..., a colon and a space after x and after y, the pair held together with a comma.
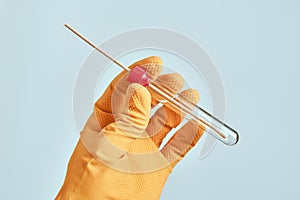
x: 255, y: 45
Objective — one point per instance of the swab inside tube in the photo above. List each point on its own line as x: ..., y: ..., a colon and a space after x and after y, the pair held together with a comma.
x: 188, y: 110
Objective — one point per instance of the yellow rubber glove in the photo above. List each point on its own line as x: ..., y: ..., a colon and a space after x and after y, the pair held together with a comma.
x: 119, y: 154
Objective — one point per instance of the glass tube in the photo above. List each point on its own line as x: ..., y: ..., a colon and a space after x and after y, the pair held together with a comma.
x: 177, y: 102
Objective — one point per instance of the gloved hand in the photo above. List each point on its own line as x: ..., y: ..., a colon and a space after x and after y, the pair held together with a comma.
x: 119, y: 154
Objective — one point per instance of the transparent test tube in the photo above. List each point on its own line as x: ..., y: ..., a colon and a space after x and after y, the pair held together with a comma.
x: 188, y: 110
